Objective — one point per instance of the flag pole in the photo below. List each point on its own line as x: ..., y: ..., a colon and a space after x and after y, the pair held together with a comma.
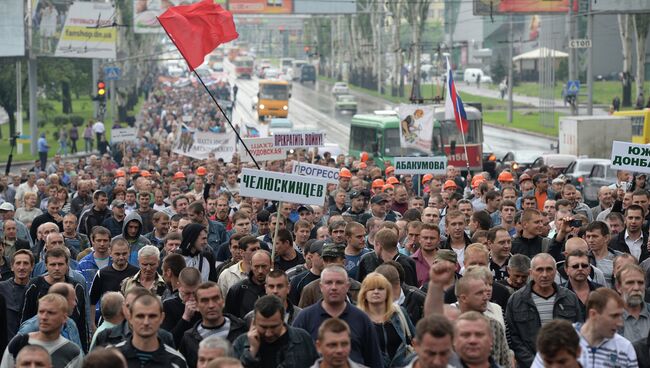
x: 275, y: 233
x: 211, y: 96
x: 459, y: 123
x: 462, y: 134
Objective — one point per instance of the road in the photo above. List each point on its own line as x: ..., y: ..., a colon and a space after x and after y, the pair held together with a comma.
x: 312, y: 107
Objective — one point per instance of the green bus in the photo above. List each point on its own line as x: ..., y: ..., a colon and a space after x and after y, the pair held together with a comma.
x: 378, y: 135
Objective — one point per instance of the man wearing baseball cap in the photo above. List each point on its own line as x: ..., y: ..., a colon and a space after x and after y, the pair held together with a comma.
x: 358, y: 205
x: 378, y: 210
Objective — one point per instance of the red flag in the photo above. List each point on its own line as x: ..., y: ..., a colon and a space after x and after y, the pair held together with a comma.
x: 198, y: 29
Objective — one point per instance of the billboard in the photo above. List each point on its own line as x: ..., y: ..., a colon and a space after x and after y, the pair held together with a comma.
x: 621, y: 7
x: 88, y: 32
x: 146, y: 11
x: 501, y: 7
x: 12, y: 28
x: 260, y: 6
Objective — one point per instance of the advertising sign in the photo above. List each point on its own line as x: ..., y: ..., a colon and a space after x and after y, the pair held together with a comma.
x: 421, y: 165
x: 123, y: 135
x: 260, y: 6
x: 12, y: 28
x: 146, y: 11
x: 331, y: 174
x: 630, y: 156
x: 282, y: 187
x: 201, y: 145
x: 88, y: 32
x: 416, y: 126
x: 500, y: 7
x: 299, y: 139
x: 262, y: 149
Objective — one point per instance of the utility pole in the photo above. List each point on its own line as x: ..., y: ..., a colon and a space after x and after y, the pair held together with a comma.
x: 31, y: 77
x: 590, y: 62
x: 510, y: 84
x: 19, y: 106
x: 380, y: 25
x: 95, y: 77
x: 573, y: 75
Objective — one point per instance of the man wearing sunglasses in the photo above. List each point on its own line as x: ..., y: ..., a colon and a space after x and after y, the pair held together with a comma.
x: 577, y: 268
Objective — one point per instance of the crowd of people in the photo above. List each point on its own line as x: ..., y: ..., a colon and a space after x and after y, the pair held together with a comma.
x: 145, y: 258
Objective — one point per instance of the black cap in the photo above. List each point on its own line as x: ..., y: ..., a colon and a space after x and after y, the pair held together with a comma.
x: 378, y: 199
x: 314, y: 246
x: 333, y: 250
x: 305, y: 208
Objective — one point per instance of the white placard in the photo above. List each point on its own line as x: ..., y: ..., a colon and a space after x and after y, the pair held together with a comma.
x: 88, y: 32
x: 201, y: 144
x: 630, y: 156
x: 330, y: 174
x: 123, y: 134
x: 262, y: 149
x: 421, y: 165
x: 282, y: 187
x: 299, y: 139
x: 416, y: 126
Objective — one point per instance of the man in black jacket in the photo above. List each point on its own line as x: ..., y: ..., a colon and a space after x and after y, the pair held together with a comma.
x: 530, y: 243
x: 53, y: 215
x: 94, y: 215
x: 633, y: 239
x: 386, y: 250
x: 242, y: 296
x: 180, y: 309
x: 413, y: 298
x: 213, y: 322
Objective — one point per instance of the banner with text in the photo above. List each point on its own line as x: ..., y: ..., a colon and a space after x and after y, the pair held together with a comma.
x: 630, y: 156
x: 123, y: 134
x: 282, y: 187
x: 416, y: 126
x: 262, y: 149
x: 330, y: 174
x: 88, y: 32
x: 201, y: 145
x: 421, y: 165
x: 299, y: 139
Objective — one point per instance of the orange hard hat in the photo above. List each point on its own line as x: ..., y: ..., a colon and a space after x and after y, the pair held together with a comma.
x: 450, y: 184
x: 387, y: 186
x: 389, y: 169
x: 364, y: 156
x: 201, y: 171
x: 363, y: 165
x: 478, y: 179
x: 145, y: 173
x: 392, y: 180
x: 134, y: 170
x: 505, y: 176
x: 377, y: 183
x: 120, y: 173
x: 427, y: 178
x: 345, y: 173
x: 179, y: 175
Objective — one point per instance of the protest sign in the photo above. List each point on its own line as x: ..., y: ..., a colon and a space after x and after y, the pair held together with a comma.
x: 299, y: 139
x: 262, y: 149
x: 282, y: 187
x: 123, y: 134
x: 200, y: 145
x: 630, y: 156
x: 420, y: 165
x: 331, y: 174
x: 416, y: 126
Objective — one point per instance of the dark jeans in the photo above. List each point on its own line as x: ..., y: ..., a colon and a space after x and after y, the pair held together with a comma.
x: 43, y: 157
x: 73, y: 146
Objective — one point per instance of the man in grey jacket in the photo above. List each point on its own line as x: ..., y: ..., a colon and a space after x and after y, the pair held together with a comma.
x: 539, y: 302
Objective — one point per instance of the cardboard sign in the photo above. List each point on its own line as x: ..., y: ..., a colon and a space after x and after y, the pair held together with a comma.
x: 630, y: 156
x: 330, y: 174
x: 421, y: 165
x: 416, y: 126
x: 262, y: 149
x: 299, y: 139
x: 123, y: 134
x: 201, y: 144
x: 282, y: 187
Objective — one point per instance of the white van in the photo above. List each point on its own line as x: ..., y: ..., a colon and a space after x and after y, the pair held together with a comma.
x: 471, y: 74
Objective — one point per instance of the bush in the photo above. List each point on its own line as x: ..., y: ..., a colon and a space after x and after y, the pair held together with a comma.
x: 61, y: 120
x: 76, y: 120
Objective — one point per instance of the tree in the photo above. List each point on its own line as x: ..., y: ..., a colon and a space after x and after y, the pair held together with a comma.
x: 395, y: 8
x: 8, y: 90
x: 499, y: 70
x: 417, y: 15
x: 641, y: 27
x: 625, y: 31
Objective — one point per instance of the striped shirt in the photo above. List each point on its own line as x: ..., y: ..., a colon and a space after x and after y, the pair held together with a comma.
x: 544, y: 307
x: 221, y: 331
x: 616, y: 352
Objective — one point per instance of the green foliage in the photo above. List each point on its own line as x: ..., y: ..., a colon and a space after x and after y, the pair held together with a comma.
x: 61, y: 120
x: 76, y: 120
x: 562, y: 72
x: 499, y: 70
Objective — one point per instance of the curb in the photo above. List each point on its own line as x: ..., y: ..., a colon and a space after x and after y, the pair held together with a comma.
x: 517, y: 130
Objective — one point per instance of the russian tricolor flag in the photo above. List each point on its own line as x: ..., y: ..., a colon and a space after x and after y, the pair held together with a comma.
x: 453, y: 104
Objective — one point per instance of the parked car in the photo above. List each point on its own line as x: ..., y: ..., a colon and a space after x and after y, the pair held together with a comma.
x: 601, y: 174
x: 340, y: 88
x: 280, y: 125
x: 345, y: 103
x: 520, y: 160
x: 557, y: 161
x: 271, y: 73
x: 581, y: 168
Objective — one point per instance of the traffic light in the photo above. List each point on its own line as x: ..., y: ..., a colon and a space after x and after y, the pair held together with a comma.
x: 101, y: 90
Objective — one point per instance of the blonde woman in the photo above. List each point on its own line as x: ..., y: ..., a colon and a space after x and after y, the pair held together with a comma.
x: 392, y: 323
x: 28, y: 213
